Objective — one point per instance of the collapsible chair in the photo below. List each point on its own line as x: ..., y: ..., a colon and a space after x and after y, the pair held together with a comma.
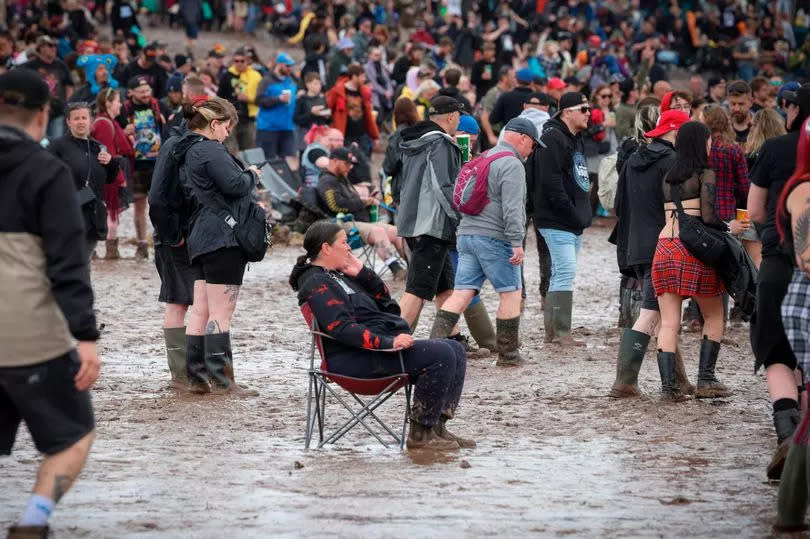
x: 380, y: 389
x: 366, y: 252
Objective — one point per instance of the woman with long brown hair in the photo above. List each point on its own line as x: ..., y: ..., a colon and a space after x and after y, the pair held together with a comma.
x: 767, y: 123
x: 405, y: 115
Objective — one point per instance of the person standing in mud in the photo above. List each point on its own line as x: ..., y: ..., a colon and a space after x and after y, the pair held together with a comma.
x: 774, y: 165
x: 47, y: 303
x: 640, y: 217
x: 218, y: 183
x: 354, y: 307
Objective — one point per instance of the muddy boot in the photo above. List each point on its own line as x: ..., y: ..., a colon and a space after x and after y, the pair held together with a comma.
x: 687, y: 387
x: 632, y: 348
x: 480, y: 326
x: 464, y: 341
x: 669, y: 384
x: 558, y: 315
x: 219, y: 364
x: 142, y: 252
x: 176, y: 355
x: 424, y: 437
x: 791, y: 504
x: 28, y: 532
x: 629, y: 302
x: 195, y: 364
x: 708, y: 386
x: 112, y: 250
x: 441, y: 431
x: 785, y: 423
x: 508, y: 342
x: 443, y: 324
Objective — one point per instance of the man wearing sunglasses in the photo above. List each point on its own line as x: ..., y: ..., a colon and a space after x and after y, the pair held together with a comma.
x: 562, y: 207
x: 239, y: 85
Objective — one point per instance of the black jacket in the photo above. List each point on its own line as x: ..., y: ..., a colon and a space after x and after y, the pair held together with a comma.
x: 81, y: 156
x: 221, y: 188
x: 509, y: 105
x: 338, y: 196
x: 562, y: 185
x: 639, y: 204
x: 455, y: 93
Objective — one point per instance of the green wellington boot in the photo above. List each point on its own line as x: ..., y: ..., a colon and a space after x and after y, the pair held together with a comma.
x: 480, y: 326
x: 632, y: 348
x: 219, y: 364
x: 443, y: 324
x: 176, y: 355
x: 791, y: 504
x: 557, y: 318
x: 508, y: 342
x: 708, y: 386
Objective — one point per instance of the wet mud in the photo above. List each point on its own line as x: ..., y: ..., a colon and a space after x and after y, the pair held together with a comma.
x: 555, y: 455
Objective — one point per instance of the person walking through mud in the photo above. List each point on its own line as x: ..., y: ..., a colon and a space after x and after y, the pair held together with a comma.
x: 47, y: 303
x: 640, y: 217
x: 776, y: 163
x: 354, y: 307
x: 490, y: 243
x: 676, y: 273
x: 218, y: 184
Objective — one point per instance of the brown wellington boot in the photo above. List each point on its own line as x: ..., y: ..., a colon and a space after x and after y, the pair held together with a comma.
x: 142, y: 251
x: 424, y: 437
x: 28, y: 532
x: 442, y: 432
x: 687, y: 388
x: 112, y: 250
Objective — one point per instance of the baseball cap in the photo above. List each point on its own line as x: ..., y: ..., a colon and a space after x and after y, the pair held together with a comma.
x: 214, y: 53
x: 627, y: 85
x: 150, y: 51
x: 670, y: 120
x: 284, y: 58
x: 572, y: 81
x: 442, y: 104
x: 522, y: 126
x: 45, y: 40
x: 799, y: 97
x: 345, y: 43
x: 344, y: 154
x: 524, y: 75
x: 594, y: 41
x: 556, y: 83
x: 571, y: 99
x: 180, y: 60
x: 137, y: 82
x: 23, y: 88
x: 467, y: 124
x: 666, y: 100
x: 791, y: 86
x: 175, y: 84
x: 538, y: 98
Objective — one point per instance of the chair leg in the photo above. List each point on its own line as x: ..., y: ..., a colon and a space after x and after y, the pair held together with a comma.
x: 356, y: 418
x: 308, y: 431
x: 407, y: 415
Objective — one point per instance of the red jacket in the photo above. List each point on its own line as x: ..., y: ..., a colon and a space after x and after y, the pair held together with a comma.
x: 336, y: 101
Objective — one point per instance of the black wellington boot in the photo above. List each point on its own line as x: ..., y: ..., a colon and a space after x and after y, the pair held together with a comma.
x: 785, y: 423
x: 708, y: 386
x: 219, y: 363
x: 442, y: 432
x: 443, y: 324
x: 195, y: 364
x: 176, y: 355
x: 632, y: 348
x: 670, y: 390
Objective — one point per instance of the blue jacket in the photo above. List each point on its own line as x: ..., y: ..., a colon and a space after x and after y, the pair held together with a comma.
x: 274, y: 114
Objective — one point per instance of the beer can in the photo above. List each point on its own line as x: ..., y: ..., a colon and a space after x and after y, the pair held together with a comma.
x: 464, y: 143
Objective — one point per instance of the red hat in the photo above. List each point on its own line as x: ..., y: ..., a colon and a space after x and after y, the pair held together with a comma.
x: 594, y: 41
x: 666, y: 100
x: 556, y: 83
x: 671, y: 120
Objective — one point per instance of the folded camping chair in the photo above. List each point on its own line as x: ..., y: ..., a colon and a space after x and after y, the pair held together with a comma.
x: 379, y: 389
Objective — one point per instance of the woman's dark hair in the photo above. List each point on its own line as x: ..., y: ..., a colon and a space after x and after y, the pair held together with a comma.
x: 318, y: 233
x: 691, y: 156
x: 104, y: 98
x: 405, y: 112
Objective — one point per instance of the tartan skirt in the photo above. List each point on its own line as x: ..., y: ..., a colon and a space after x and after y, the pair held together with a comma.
x: 796, y: 318
x: 676, y: 271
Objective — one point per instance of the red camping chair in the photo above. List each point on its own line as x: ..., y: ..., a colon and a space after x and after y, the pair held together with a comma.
x: 380, y: 389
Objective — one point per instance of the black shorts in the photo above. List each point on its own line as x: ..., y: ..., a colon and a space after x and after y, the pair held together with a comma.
x: 768, y: 339
x: 430, y: 270
x: 141, y: 182
x: 223, y: 266
x: 649, y: 300
x: 45, y: 397
x: 177, y: 275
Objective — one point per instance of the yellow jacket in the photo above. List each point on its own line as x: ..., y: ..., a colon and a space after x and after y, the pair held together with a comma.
x: 249, y: 83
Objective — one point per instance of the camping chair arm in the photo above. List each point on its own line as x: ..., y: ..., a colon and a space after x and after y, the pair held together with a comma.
x: 387, y: 350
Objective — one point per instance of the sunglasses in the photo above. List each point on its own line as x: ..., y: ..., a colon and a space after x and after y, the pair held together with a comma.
x: 239, y: 60
x: 605, y: 96
x: 583, y: 109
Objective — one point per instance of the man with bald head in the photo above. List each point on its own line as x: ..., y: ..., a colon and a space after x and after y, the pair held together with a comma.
x: 661, y: 88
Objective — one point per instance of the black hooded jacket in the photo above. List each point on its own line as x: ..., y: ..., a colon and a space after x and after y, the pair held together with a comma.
x: 562, y: 185
x: 640, y: 204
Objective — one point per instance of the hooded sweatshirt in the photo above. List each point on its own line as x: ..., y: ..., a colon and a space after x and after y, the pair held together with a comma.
x: 47, y: 298
x: 431, y: 161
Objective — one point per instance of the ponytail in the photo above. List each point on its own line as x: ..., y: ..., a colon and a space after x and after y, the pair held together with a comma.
x: 318, y: 233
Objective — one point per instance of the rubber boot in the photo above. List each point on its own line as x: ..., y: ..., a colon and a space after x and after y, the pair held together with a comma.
x: 508, y: 342
x: 176, y: 355
x: 687, y: 387
x: 480, y: 326
x: 195, y: 364
x: 785, y: 423
x: 669, y: 384
x: 442, y: 432
x: 708, y: 386
x: 424, y: 437
x: 142, y: 251
x: 443, y: 324
x: 112, y: 250
x: 791, y: 505
x: 28, y: 532
x: 219, y: 364
x: 557, y: 318
x: 632, y: 348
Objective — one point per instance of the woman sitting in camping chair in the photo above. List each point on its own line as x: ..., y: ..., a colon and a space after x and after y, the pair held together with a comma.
x: 353, y: 307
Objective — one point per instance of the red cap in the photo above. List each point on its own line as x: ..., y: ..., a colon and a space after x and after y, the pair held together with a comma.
x: 671, y: 120
x: 666, y: 100
x: 556, y: 83
x: 594, y: 41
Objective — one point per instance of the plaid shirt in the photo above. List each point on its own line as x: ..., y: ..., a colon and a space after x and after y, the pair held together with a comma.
x: 731, y: 171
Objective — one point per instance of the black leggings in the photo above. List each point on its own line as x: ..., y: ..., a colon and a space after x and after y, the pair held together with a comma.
x: 436, y: 367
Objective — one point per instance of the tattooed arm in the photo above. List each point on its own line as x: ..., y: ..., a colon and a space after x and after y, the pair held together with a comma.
x: 708, y: 193
x: 798, y: 204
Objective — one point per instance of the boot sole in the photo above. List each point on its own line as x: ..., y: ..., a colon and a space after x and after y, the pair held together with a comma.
x: 711, y: 393
x: 620, y: 391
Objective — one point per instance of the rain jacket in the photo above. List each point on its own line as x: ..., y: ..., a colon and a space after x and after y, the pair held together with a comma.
x: 431, y: 161
x: 338, y: 196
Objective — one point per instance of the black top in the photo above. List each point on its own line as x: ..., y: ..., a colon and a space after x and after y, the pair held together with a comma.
x: 57, y: 75
x: 774, y: 165
x: 155, y: 75
x: 338, y: 196
x: 509, y: 105
x: 482, y: 86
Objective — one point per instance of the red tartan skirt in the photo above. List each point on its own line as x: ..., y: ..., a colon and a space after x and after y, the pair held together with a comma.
x: 676, y: 271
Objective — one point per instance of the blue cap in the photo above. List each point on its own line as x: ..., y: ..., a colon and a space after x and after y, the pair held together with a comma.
x: 525, y: 75
x: 468, y: 125
x: 345, y: 43
x: 175, y: 84
x: 791, y: 86
x: 284, y: 58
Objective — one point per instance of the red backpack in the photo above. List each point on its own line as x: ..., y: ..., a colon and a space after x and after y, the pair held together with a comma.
x: 470, y: 192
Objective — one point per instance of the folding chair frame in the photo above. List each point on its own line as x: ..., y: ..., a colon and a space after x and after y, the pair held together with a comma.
x: 368, y: 254
x: 320, y: 385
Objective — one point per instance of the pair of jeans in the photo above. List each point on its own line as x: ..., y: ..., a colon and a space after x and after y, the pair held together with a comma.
x: 253, y: 14
x: 563, y: 247
x: 454, y: 259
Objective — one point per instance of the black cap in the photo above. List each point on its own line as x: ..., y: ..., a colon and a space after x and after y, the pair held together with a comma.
x: 800, y: 97
x: 571, y: 99
x: 344, y: 154
x: 443, y: 104
x: 627, y: 85
x: 136, y: 82
x: 23, y: 88
x: 180, y: 60
x: 213, y: 53
x: 572, y: 81
x: 538, y: 98
x: 714, y: 81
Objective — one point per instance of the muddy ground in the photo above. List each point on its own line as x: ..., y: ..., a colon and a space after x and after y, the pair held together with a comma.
x: 555, y: 456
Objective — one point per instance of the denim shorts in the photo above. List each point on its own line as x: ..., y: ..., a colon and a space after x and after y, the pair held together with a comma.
x: 483, y: 258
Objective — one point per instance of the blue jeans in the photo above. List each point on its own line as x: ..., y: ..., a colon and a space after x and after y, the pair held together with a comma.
x: 563, y: 247
x: 483, y: 258
x: 253, y: 14
x: 454, y: 260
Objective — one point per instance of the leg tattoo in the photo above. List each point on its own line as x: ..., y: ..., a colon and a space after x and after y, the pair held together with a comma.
x: 212, y: 327
x: 61, y: 484
x: 232, y: 291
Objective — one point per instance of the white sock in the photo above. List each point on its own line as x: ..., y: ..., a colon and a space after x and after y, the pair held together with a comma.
x: 38, y: 511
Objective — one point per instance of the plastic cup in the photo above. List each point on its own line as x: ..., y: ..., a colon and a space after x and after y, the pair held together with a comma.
x: 742, y: 215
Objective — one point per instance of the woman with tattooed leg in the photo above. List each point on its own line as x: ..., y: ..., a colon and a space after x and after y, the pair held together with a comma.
x: 218, y: 184
x: 353, y: 306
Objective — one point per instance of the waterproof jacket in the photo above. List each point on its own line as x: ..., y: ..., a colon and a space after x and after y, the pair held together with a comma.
x: 275, y: 114
x: 431, y: 161
x: 562, y: 185
x: 392, y: 162
x: 81, y: 156
x: 338, y: 196
x: 336, y: 101
x: 639, y: 203
x: 44, y: 275
x: 221, y: 188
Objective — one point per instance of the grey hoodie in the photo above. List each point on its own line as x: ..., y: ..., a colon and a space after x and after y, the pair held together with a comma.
x: 536, y: 116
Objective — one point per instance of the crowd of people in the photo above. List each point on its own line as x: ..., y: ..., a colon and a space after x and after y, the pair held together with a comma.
x: 687, y: 122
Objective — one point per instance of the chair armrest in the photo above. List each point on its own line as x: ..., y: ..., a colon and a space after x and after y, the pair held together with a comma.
x: 321, y: 334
